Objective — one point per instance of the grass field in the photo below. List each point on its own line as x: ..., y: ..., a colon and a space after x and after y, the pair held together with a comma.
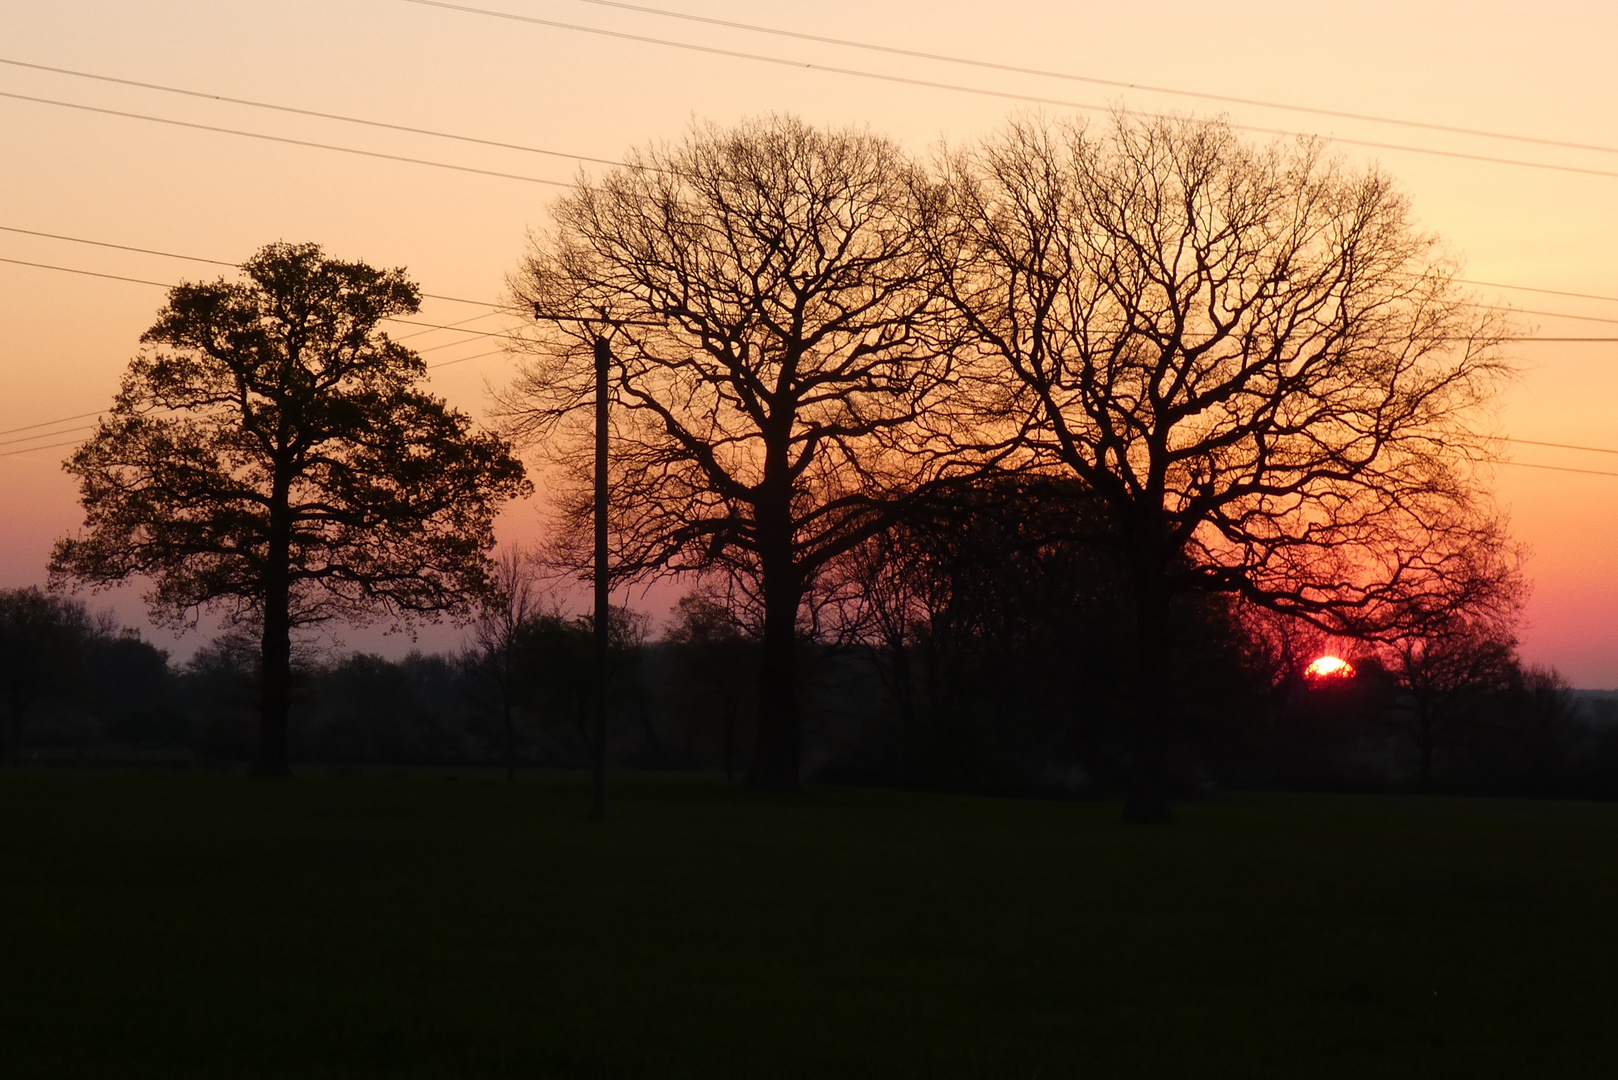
x: 417, y: 926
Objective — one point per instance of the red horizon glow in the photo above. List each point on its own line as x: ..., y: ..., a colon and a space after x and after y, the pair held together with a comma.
x: 1329, y: 667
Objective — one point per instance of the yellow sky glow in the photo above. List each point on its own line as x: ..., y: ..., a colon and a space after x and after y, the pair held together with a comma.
x: 1543, y: 72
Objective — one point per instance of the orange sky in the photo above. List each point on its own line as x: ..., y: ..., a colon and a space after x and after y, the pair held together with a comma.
x: 1544, y: 72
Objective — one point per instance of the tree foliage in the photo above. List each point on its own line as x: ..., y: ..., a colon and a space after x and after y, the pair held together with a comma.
x: 272, y: 456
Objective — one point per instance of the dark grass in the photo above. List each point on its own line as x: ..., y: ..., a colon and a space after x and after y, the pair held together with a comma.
x: 414, y: 926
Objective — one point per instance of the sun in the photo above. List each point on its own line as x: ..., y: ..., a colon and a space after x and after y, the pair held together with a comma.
x: 1329, y: 668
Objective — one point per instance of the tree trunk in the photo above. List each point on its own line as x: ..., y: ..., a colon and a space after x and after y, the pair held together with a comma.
x: 730, y: 738
x: 275, y: 656
x: 1424, y: 778
x: 275, y: 689
x: 776, y: 751
x: 775, y: 758
x: 511, y: 740
x: 1146, y: 796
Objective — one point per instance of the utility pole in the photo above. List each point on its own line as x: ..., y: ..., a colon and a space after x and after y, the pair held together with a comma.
x: 603, y: 584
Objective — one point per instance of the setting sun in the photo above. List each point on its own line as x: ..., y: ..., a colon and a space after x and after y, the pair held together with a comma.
x: 1330, y: 667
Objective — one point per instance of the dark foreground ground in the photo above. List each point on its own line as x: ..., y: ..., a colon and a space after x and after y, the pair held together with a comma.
x: 404, y: 926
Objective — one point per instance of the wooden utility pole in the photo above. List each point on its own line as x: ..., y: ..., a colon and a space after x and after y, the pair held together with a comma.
x: 603, y: 584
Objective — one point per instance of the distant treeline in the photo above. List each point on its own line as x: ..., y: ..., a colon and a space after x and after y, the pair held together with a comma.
x: 1014, y: 682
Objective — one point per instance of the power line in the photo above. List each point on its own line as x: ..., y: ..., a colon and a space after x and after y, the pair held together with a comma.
x: 308, y: 112
x: 86, y: 273
x: 479, y: 356
x: 1547, y: 314
x: 50, y: 423
x: 1562, y: 446
x: 31, y: 449
x: 284, y: 139
x: 507, y: 308
x: 1093, y: 80
x: 46, y: 434
x: 119, y: 247
x: 1529, y: 288
x: 457, y: 329
x: 99, y: 412
x: 1559, y: 468
x: 189, y: 258
x: 455, y: 326
x: 204, y: 95
x: 934, y: 84
x: 464, y: 359
x: 617, y: 322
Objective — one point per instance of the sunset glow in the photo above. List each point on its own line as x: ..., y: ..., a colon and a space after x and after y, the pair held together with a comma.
x: 1329, y: 667
x: 446, y: 132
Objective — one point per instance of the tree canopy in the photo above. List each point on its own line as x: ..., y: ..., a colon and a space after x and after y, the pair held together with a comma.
x: 1254, y: 359
x: 271, y: 456
x: 778, y: 363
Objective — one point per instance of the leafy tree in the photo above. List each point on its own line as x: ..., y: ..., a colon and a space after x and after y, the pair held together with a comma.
x: 1261, y: 368
x: 712, y: 659
x: 131, y: 687
x: 775, y: 332
x: 272, y: 456
x: 553, y: 663
x: 43, y: 639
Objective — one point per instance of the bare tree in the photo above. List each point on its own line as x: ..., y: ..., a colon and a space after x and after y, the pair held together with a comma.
x: 1446, y: 674
x: 1254, y: 359
x: 775, y: 331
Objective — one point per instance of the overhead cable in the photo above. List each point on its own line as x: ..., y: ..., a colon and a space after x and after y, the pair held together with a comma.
x: 1045, y: 73
x: 284, y: 139
x: 46, y: 434
x: 187, y: 258
x: 307, y: 112
x: 506, y: 308
x: 1562, y: 446
x: 608, y: 320
x: 50, y: 423
x: 1559, y: 468
x: 1007, y: 95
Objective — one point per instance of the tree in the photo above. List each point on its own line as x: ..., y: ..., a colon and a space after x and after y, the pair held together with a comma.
x: 43, y: 639
x: 1256, y: 362
x: 990, y: 619
x: 511, y: 601
x: 711, y: 656
x: 775, y: 328
x: 1448, y: 672
x: 554, y: 667
x: 272, y: 456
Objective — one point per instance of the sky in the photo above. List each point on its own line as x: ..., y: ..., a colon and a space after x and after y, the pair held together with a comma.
x: 1538, y: 72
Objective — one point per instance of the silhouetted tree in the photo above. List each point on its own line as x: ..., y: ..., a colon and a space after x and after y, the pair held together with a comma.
x: 1252, y: 358
x: 1448, y: 674
x: 774, y: 331
x: 511, y: 600
x: 712, y: 660
x: 272, y: 456
x: 131, y: 689
x: 553, y: 665
x: 992, y: 615
x: 1532, y: 736
x: 42, y: 648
